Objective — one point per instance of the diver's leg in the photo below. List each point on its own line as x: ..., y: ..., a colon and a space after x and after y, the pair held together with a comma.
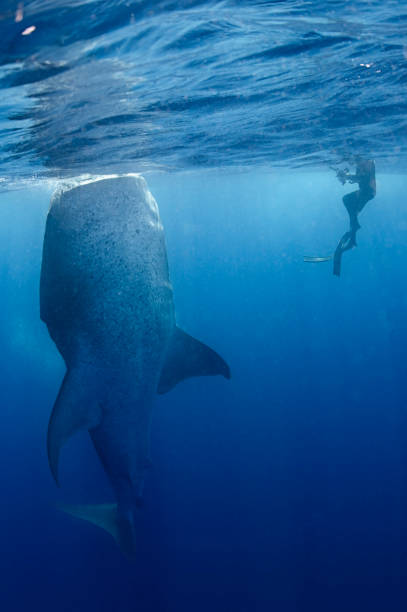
x: 365, y: 195
x: 351, y: 202
x: 354, y: 202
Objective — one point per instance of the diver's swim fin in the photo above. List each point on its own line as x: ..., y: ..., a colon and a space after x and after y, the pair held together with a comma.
x: 347, y: 242
x: 337, y: 265
x: 337, y: 261
x: 317, y: 259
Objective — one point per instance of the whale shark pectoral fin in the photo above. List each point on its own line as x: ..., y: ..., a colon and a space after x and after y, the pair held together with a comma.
x: 187, y: 357
x: 75, y: 408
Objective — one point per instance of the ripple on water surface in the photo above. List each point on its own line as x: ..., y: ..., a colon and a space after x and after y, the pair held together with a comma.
x: 102, y: 86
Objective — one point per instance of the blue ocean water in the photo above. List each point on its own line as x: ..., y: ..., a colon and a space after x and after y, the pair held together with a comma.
x: 285, y: 488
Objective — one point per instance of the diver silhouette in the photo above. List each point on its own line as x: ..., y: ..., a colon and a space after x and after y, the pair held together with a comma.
x: 354, y: 203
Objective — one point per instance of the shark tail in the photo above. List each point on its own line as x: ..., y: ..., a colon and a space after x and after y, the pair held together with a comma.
x: 107, y: 517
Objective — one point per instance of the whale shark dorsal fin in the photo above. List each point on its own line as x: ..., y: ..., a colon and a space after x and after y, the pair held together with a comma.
x: 75, y: 408
x: 187, y: 357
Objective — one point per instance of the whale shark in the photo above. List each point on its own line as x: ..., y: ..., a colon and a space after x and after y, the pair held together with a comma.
x: 107, y: 301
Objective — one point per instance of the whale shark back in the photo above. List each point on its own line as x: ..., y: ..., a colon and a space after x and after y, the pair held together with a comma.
x: 104, y: 270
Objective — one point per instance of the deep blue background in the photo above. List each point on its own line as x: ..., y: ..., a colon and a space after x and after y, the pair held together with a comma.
x: 283, y: 489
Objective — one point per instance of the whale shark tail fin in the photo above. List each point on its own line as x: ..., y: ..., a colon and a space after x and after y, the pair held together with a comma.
x: 101, y: 515
x: 75, y: 408
x: 187, y: 357
x: 106, y: 517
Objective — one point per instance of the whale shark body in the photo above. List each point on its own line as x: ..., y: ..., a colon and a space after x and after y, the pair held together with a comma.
x: 106, y: 298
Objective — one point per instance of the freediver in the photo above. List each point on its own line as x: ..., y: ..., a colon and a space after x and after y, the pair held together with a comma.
x: 354, y: 203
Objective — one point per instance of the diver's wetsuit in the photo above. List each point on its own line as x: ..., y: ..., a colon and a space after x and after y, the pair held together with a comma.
x: 355, y: 202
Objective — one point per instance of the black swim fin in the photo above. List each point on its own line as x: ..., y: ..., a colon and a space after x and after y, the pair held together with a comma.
x: 337, y: 262
x: 347, y: 242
